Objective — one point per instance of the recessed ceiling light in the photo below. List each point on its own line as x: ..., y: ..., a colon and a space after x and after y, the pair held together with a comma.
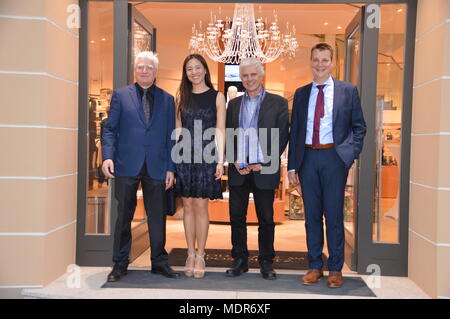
x: 103, y: 39
x: 326, y: 23
x: 339, y: 27
x: 92, y: 41
x: 400, y: 10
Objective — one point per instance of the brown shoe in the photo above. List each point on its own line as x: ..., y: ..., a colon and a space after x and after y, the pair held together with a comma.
x: 312, y: 277
x: 335, y: 279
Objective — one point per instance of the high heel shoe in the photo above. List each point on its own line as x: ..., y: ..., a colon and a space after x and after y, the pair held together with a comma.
x: 199, y: 266
x: 189, y: 266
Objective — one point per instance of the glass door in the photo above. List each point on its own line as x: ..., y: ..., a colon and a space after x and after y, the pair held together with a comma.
x: 352, y: 74
x: 142, y: 38
x: 95, y: 226
x: 387, y: 55
x: 112, y: 34
x: 376, y: 192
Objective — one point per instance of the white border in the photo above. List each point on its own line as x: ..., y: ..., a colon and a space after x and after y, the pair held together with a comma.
x: 38, y: 178
x: 39, y: 73
x: 38, y: 126
x: 41, y: 19
x: 428, y: 240
x: 40, y: 234
x: 430, y: 187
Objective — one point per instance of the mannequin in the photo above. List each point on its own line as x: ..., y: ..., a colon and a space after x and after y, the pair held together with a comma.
x: 231, y: 93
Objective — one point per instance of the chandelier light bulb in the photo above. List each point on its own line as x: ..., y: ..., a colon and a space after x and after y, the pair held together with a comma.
x: 231, y: 40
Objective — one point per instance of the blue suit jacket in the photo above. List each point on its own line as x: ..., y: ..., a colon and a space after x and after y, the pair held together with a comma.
x: 128, y: 141
x: 349, y: 127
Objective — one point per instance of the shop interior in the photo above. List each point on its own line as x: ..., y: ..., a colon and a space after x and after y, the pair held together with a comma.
x: 314, y: 23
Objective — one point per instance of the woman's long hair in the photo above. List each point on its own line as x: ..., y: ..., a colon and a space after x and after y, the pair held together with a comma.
x: 184, y: 94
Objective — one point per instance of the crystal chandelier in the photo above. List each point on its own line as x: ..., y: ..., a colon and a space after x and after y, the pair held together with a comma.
x: 230, y: 41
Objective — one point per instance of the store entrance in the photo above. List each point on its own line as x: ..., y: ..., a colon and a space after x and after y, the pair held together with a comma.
x: 288, y: 208
x: 372, y: 57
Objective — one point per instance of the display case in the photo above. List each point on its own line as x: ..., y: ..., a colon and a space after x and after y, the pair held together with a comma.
x: 390, y: 175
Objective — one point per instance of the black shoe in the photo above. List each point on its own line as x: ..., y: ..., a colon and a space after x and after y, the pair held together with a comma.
x: 166, y: 271
x: 240, y: 266
x: 267, y: 272
x: 116, y: 274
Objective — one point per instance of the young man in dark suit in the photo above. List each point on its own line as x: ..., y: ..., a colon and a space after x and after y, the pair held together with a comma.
x: 136, y: 145
x: 327, y: 133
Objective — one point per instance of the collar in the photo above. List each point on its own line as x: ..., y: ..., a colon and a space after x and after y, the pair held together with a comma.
x: 256, y: 96
x: 327, y: 83
x: 150, y: 90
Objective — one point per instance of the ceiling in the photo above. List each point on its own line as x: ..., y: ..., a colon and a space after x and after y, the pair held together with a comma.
x: 307, y: 18
x: 173, y: 22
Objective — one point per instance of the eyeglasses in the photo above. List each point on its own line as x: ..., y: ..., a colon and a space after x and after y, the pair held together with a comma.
x: 146, y: 67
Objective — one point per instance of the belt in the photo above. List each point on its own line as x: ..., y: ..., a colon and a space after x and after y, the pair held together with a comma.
x: 320, y: 147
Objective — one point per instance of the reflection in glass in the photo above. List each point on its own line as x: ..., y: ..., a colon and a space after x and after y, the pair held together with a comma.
x: 350, y: 190
x: 142, y: 39
x: 100, y: 88
x: 391, y: 48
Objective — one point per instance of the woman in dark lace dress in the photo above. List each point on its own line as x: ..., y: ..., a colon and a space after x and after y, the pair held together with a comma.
x: 201, y: 116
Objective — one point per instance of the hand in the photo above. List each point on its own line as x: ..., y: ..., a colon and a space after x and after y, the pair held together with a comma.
x: 170, y: 177
x: 219, y: 171
x: 298, y: 188
x: 108, y: 168
x: 293, y: 178
x: 255, y: 167
x: 243, y: 171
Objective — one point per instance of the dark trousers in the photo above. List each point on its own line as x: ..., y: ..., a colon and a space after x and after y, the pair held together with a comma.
x: 323, y: 176
x: 238, y: 217
x: 154, y: 202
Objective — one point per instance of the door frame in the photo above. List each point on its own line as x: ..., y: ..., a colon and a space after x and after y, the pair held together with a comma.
x: 89, y: 252
x: 392, y: 257
x: 351, y: 239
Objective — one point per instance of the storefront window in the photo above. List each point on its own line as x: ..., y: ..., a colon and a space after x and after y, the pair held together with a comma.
x: 100, y: 73
x: 391, y: 49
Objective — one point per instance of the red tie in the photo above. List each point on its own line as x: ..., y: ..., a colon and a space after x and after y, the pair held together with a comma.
x: 318, y: 114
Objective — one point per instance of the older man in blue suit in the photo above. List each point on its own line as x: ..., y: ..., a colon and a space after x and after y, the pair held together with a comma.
x: 136, y: 145
x: 327, y: 133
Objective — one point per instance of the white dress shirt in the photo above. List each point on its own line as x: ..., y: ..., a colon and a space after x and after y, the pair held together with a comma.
x: 326, y: 123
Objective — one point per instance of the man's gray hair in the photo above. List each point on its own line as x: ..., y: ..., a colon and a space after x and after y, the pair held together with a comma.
x: 148, y: 55
x: 252, y: 62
